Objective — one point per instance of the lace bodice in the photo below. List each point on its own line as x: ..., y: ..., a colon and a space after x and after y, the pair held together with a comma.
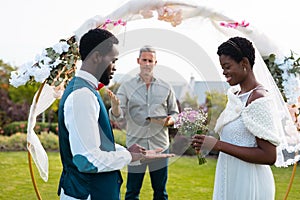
x: 240, y: 125
x: 235, y: 131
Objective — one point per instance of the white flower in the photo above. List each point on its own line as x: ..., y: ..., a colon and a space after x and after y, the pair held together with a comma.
x: 190, y: 121
x: 292, y: 88
x: 40, y: 73
x: 61, y: 47
x: 44, y: 60
x: 57, y: 62
x: 21, y: 76
x: 52, y: 59
x: 278, y: 60
x: 283, y: 67
x: 291, y: 83
x: 17, y: 79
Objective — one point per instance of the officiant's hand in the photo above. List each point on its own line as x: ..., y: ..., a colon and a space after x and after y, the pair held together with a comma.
x: 168, y: 121
x: 115, y: 103
x: 204, y: 142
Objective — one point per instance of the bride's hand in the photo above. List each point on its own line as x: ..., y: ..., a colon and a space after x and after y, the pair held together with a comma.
x: 204, y: 142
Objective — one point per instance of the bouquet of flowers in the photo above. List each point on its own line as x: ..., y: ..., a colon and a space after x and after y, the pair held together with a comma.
x: 192, y: 122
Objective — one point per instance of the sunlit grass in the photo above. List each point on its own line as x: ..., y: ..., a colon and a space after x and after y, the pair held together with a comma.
x: 187, y: 180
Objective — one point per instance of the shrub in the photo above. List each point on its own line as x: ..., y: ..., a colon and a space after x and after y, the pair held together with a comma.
x: 21, y: 126
x: 49, y: 141
x: 18, y: 142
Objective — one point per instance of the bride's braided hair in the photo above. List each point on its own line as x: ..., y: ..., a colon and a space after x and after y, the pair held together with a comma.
x: 237, y: 48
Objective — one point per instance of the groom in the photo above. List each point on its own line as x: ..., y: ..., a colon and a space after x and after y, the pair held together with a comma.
x: 91, y: 160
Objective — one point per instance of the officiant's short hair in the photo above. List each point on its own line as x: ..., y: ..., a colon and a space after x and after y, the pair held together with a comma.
x: 147, y: 48
x: 96, y: 40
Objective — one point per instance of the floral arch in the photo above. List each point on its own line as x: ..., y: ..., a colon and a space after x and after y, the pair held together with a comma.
x: 191, y: 31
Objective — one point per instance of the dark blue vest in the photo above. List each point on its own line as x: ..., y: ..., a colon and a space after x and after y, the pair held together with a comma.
x: 101, y: 186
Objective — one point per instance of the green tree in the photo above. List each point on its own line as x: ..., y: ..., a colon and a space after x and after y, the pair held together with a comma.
x: 5, y: 70
x: 216, y: 102
x: 190, y: 102
x: 9, y: 110
x: 24, y: 93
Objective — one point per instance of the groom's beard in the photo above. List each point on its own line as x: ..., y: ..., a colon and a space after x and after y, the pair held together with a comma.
x: 105, y: 78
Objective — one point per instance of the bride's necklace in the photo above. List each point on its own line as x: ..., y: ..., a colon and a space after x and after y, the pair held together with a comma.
x: 239, y: 92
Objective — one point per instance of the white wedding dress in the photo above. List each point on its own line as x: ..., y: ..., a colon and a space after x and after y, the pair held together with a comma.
x: 236, y: 179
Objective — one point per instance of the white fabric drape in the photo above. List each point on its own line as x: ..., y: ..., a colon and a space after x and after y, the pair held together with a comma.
x: 34, y: 146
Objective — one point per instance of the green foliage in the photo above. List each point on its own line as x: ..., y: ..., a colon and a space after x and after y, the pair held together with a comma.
x: 18, y: 142
x: 21, y: 126
x: 66, y: 69
x: 49, y: 141
x: 190, y: 102
x: 5, y: 70
x: 275, y: 71
x: 9, y: 111
x: 15, y: 102
x: 24, y: 93
x: 296, y: 64
x: 216, y: 103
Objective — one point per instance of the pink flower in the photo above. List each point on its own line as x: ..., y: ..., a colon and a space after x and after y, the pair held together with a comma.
x: 234, y: 24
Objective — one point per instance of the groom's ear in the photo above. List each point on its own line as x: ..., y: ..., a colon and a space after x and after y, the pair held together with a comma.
x: 96, y: 57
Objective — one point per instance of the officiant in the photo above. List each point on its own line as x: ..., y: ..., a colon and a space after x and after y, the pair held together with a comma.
x: 148, y: 104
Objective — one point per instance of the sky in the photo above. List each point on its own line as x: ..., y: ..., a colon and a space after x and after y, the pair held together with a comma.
x: 29, y: 26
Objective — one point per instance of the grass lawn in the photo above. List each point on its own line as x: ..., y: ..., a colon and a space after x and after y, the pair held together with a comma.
x: 187, y: 180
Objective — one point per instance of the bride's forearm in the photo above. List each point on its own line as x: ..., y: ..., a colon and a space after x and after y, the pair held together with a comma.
x: 263, y: 154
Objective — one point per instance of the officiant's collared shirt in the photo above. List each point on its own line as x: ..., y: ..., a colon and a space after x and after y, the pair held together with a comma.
x: 139, y: 105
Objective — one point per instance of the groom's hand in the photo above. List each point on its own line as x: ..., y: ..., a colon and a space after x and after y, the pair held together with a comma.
x: 137, y: 152
x: 151, y: 155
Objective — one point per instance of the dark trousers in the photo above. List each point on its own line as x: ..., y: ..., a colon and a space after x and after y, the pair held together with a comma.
x: 158, y: 174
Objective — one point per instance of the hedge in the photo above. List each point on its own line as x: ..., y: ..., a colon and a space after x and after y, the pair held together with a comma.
x: 18, y: 141
x: 21, y: 126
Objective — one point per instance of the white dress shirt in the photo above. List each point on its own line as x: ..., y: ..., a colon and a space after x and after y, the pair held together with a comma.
x: 81, y: 113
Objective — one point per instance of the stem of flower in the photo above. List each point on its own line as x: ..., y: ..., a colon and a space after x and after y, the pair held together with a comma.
x: 201, y: 159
